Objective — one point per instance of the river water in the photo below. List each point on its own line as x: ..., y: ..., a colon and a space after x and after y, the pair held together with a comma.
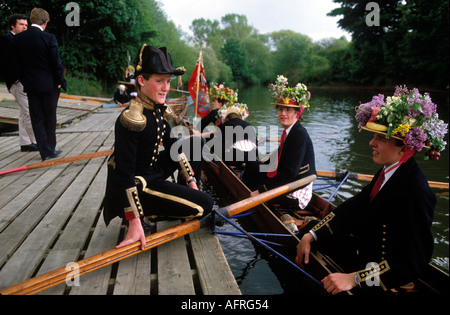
x: 338, y: 145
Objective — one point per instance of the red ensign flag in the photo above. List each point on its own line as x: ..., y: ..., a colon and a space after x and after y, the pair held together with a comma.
x: 202, y: 105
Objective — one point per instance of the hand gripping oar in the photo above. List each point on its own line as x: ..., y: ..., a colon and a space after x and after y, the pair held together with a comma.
x: 66, y: 160
x: 368, y: 178
x: 58, y: 276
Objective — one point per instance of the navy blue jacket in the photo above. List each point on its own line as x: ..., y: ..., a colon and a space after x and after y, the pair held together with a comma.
x: 38, y: 61
x: 393, y: 231
x: 136, y: 153
x: 9, y: 73
x: 297, y: 158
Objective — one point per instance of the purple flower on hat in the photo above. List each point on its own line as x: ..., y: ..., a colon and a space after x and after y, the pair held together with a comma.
x: 364, y: 111
x: 415, y: 139
x: 409, y: 113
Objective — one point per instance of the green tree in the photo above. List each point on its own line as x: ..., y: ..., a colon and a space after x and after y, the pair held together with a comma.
x: 215, y: 70
x: 337, y: 54
x: 236, y: 26
x: 235, y: 56
x: 259, y: 59
x: 109, y: 32
x: 425, y: 35
x: 207, y: 33
x: 403, y: 47
x: 238, y: 46
x: 293, y: 55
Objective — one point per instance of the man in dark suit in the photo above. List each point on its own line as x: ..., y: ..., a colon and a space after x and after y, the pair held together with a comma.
x: 383, y: 232
x: 41, y: 73
x: 18, y: 23
x: 294, y: 159
x: 391, y: 231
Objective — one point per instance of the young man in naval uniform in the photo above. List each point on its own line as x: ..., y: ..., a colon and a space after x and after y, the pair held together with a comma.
x: 137, y: 170
x: 385, y: 229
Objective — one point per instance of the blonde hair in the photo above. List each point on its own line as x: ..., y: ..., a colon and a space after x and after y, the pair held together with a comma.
x: 39, y: 16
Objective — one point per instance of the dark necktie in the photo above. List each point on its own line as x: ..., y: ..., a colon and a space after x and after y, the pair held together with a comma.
x: 280, y: 148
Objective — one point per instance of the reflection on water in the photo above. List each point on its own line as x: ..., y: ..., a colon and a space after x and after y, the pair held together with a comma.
x: 338, y: 145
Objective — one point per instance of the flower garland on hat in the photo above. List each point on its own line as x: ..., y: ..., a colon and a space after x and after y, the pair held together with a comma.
x: 282, y: 94
x: 219, y: 91
x: 407, y: 115
x: 238, y: 108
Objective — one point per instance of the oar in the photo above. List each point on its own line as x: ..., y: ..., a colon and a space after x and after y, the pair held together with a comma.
x: 80, y: 98
x: 71, y: 159
x: 368, y: 178
x: 58, y: 276
x: 66, y: 160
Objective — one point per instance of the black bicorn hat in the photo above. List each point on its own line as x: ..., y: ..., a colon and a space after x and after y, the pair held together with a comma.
x: 152, y: 60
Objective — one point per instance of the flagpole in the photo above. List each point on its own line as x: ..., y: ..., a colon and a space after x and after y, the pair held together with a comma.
x: 198, y: 83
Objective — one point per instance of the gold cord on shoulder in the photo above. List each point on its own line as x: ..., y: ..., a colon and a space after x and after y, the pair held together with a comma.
x: 139, y: 66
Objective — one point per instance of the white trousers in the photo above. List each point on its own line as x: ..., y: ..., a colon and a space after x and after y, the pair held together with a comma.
x: 26, y: 134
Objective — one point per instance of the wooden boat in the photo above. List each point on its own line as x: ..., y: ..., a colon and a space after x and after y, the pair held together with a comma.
x: 267, y: 219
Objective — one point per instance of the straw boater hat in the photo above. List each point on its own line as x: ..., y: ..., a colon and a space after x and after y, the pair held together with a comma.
x: 156, y: 60
x: 283, y: 95
x: 407, y: 116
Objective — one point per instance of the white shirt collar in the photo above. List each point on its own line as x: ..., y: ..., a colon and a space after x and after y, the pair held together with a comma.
x: 389, y: 171
x: 38, y: 26
x: 289, y: 129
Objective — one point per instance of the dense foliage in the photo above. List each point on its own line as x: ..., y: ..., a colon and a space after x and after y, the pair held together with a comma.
x: 108, y: 37
x: 409, y: 46
x: 411, y: 43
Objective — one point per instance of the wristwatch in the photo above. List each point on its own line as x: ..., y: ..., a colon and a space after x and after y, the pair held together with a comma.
x: 357, y: 279
x: 191, y: 180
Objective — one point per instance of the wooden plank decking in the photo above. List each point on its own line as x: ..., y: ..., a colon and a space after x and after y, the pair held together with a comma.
x: 70, y: 108
x: 50, y: 217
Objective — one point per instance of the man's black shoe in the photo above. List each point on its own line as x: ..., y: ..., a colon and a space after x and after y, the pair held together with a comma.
x: 29, y: 148
x: 53, y: 155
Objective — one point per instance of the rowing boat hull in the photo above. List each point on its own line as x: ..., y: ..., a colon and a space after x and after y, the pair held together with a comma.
x: 435, y: 281
x: 267, y: 221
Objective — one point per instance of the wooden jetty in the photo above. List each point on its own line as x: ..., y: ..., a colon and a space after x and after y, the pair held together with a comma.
x: 70, y: 109
x: 51, y: 217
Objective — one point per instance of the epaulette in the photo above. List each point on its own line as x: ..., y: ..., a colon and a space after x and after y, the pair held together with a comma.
x: 167, y: 112
x: 133, y: 118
